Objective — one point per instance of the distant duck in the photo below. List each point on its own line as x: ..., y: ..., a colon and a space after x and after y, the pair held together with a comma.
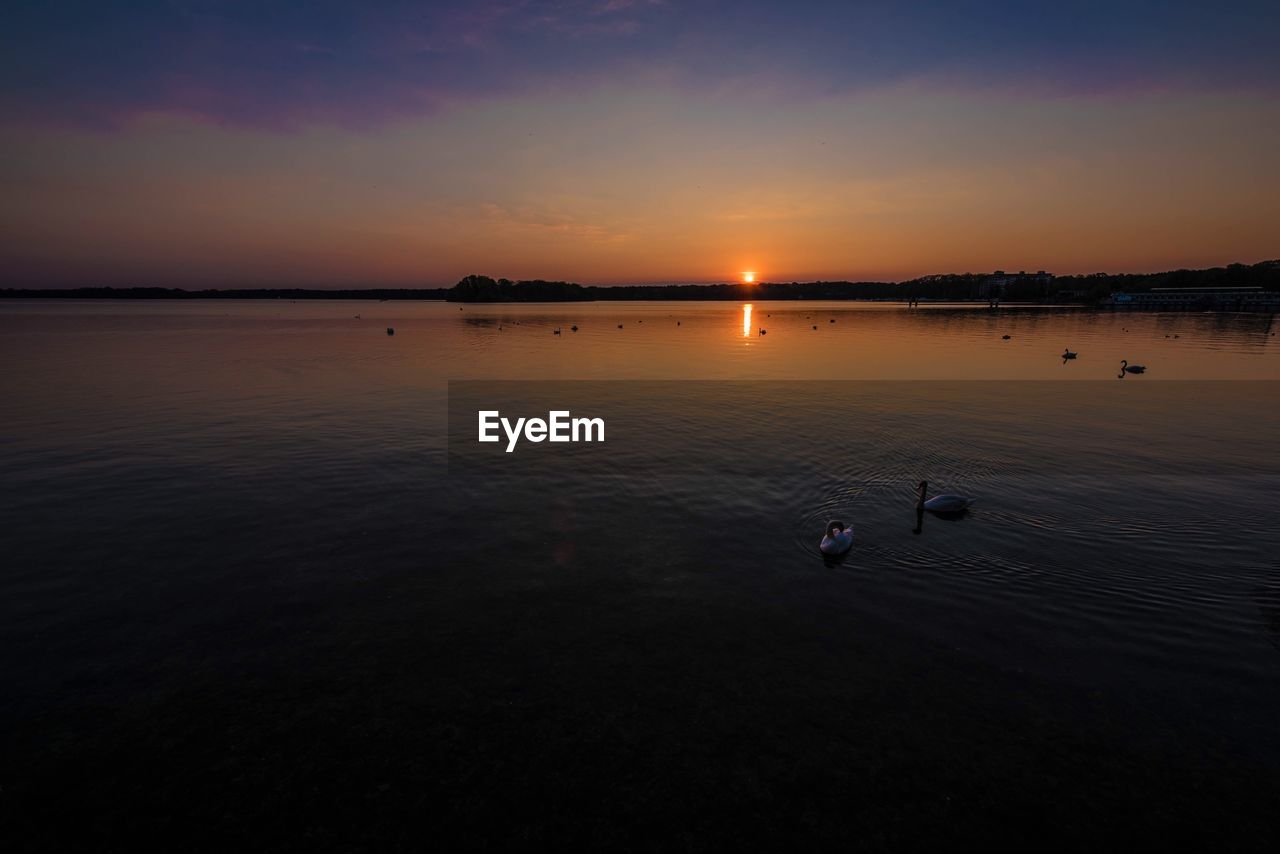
x: 573, y: 328
x: 357, y: 317
x: 942, y: 503
x: 1126, y: 368
x: 1067, y: 354
x: 1005, y: 337
x: 815, y: 328
x: 619, y: 325
x: 556, y: 331
x: 837, y: 540
x: 390, y: 331
x: 763, y: 331
x: 832, y: 320
x: 677, y: 323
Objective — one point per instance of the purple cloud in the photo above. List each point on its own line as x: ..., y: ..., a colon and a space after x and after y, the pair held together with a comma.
x: 284, y: 65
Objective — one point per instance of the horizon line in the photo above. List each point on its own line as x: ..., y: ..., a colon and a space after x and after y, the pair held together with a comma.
x: 645, y: 284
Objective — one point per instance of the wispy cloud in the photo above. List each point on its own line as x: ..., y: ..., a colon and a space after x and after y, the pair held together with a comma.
x: 283, y: 66
x: 552, y: 221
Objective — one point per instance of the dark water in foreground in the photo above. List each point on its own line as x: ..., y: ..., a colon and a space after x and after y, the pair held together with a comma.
x: 255, y: 596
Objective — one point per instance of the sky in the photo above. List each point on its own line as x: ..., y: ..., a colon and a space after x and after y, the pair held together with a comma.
x: 193, y: 143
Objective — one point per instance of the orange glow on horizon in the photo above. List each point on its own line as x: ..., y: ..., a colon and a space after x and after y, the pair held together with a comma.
x: 402, y: 207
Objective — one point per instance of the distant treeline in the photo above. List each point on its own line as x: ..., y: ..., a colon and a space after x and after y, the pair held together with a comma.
x: 1265, y: 275
x: 1021, y: 286
x: 237, y: 293
x: 1017, y: 287
x: 486, y: 289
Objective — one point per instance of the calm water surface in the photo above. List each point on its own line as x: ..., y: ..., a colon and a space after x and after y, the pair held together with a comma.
x: 251, y: 588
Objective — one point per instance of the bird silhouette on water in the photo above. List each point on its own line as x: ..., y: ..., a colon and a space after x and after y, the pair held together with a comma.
x: 1126, y: 368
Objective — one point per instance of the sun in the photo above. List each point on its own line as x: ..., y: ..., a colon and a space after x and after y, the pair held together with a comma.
x: 748, y: 277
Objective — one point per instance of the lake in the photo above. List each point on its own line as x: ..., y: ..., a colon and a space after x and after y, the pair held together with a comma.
x: 263, y: 590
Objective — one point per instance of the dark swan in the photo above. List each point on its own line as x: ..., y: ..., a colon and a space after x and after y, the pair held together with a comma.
x: 942, y: 503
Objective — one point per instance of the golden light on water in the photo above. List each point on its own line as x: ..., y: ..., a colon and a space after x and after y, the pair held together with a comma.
x: 746, y: 321
x: 748, y: 277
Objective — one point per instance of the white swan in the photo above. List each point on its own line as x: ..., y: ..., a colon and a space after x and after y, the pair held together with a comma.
x: 942, y: 503
x: 837, y: 540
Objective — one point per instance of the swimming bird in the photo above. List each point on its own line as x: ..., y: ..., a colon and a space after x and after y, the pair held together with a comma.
x: 1067, y: 354
x: 390, y: 331
x: 1126, y: 368
x: 619, y: 325
x: 942, y: 503
x: 1005, y: 337
x: 677, y: 323
x: 573, y: 328
x: 815, y: 328
x: 837, y: 540
x: 832, y: 320
x: 357, y: 317
x: 556, y: 331
x: 763, y: 331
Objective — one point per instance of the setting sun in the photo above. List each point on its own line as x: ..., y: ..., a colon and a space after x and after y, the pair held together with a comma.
x: 748, y: 277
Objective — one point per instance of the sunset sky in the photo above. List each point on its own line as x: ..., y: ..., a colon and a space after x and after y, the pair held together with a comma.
x: 205, y: 144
